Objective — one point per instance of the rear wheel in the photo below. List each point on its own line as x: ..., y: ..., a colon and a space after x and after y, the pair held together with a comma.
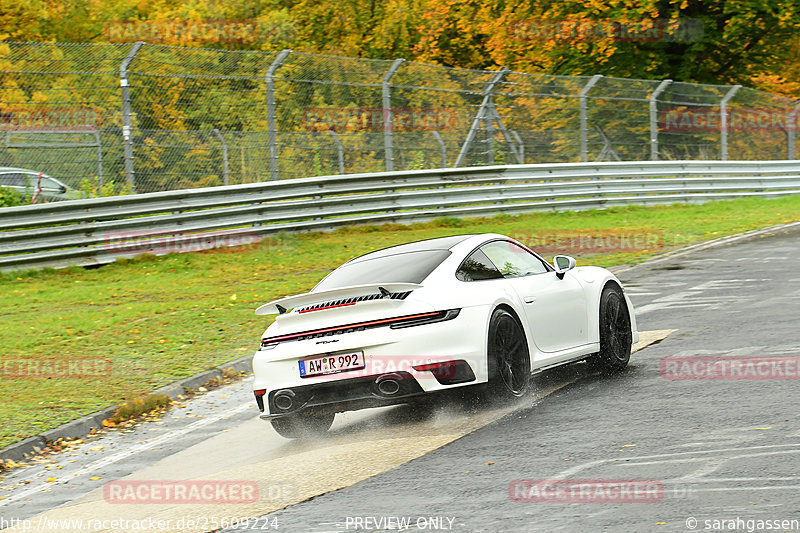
x: 508, y: 356
x: 303, y: 425
x: 615, y: 332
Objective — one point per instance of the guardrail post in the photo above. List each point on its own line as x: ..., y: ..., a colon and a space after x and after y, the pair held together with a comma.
x: 442, y: 147
x: 339, y: 150
x: 126, y: 114
x: 269, y: 79
x: 791, y: 128
x: 218, y: 135
x: 723, y: 122
x: 479, y: 116
x: 654, y: 118
x: 584, y: 119
x: 387, y: 113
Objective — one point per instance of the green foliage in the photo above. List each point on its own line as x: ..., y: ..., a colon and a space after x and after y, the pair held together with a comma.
x: 726, y: 42
x: 91, y: 190
x: 418, y: 162
x: 10, y: 197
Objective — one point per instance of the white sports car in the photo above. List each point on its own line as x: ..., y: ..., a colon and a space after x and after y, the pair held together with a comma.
x: 429, y: 316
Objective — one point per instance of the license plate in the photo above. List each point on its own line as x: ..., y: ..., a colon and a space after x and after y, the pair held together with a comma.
x: 331, y: 364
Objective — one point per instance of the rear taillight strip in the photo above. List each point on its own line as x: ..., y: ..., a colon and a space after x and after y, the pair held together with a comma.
x: 394, y: 323
x: 326, y: 307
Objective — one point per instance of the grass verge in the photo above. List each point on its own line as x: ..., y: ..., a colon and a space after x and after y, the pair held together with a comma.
x: 154, y: 320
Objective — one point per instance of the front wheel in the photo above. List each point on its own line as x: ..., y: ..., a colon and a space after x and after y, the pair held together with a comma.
x: 508, y: 356
x: 303, y: 425
x: 615, y: 332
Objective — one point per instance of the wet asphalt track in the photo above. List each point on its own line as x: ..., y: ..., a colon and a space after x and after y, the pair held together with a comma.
x: 725, y: 453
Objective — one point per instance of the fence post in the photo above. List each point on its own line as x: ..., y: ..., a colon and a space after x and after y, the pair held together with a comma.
x: 723, y: 121
x: 488, y: 128
x: 442, y: 147
x: 495, y: 116
x: 339, y: 150
x: 218, y: 135
x: 791, y: 127
x: 520, y: 147
x: 584, y: 120
x: 271, y: 129
x: 99, y: 161
x: 387, y: 113
x: 479, y: 116
x: 126, y: 114
x: 654, y: 118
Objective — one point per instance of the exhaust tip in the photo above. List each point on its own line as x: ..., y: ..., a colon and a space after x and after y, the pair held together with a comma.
x: 284, y: 400
x: 388, y: 384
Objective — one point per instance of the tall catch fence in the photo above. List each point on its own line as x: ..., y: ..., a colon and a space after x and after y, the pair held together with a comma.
x: 140, y: 117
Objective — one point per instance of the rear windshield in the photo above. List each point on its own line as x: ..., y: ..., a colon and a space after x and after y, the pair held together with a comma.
x: 411, y: 267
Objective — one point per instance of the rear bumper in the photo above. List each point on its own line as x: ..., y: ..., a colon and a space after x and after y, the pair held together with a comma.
x: 358, y: 393
x: 407, y: 352
x: 342, y: 395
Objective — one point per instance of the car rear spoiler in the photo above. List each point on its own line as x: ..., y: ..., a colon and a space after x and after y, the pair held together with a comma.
x: 310, y: 298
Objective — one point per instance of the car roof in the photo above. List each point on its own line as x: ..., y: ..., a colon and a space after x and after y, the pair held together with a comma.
x: 440, y: 243
x: 14, y: 169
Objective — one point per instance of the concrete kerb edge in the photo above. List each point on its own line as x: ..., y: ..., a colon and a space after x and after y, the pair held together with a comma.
x: 85, y: 424
x: 78, y: 428
x: 19, y: 450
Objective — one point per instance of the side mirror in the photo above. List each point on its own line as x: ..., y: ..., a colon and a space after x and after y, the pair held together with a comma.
x: 562, y: 264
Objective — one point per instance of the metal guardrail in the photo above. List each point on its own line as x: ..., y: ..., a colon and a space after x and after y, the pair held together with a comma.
x: 99, y: 230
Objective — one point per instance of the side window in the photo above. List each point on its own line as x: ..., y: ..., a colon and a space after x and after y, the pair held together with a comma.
x: 477, y: 267
x: 12, y: 180
x: 512, y: 260
x: 47, y: 183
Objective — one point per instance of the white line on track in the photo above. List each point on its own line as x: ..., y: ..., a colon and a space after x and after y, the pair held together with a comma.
x: 114, y: 458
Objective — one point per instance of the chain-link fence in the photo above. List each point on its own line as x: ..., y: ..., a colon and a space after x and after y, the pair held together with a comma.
x: 113, y: 117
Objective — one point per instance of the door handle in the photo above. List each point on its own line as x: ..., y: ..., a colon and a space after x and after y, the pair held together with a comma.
x: 529, y: 299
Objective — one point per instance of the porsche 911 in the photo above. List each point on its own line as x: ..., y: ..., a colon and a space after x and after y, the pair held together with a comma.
x: 428, y: 316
